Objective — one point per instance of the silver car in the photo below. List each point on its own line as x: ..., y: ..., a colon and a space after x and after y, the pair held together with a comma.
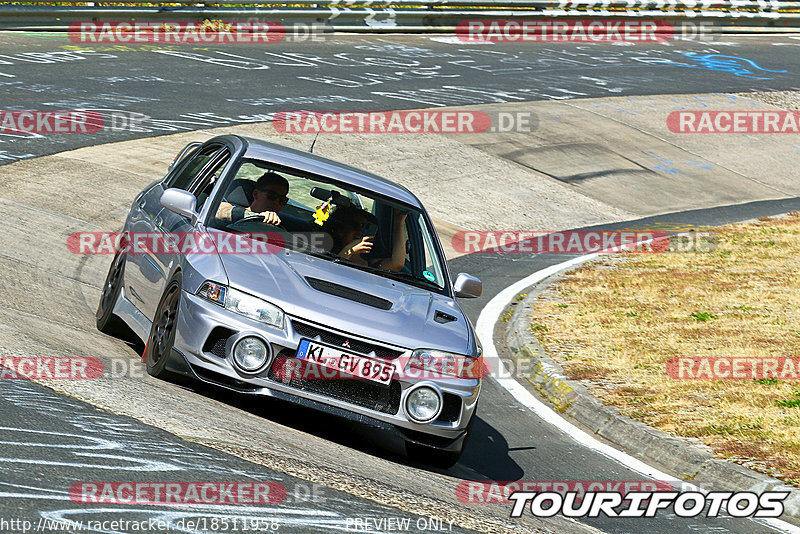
x: 219, y: 294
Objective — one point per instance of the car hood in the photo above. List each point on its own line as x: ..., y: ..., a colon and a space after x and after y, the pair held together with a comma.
x: 413, y: 321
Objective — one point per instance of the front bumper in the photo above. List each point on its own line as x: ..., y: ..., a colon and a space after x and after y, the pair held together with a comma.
x: 204, y: 327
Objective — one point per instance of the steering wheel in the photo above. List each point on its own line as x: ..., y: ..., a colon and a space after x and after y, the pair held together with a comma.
x: 254, y: 223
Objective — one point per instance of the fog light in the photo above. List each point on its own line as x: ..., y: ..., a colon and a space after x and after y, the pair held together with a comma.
x: 423, y: 404
x: 250, y: 354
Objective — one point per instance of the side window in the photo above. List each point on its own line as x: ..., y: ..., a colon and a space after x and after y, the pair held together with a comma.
x: 408, y: 245
x: 186, y: 174
x: 202, y: 190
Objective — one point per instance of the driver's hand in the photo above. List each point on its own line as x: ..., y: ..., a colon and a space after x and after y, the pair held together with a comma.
x: 270, y: 217
x: 359, y: 246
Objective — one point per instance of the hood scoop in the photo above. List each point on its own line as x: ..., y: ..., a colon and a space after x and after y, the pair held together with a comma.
x: 349, y: 293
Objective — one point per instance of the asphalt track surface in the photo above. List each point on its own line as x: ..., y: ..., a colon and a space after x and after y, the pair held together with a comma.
x: 184, y: 89
x: 189, y: 88
x: 51, y: 442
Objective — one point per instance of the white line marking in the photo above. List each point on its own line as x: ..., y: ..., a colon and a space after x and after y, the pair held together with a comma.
x: 490, y: 315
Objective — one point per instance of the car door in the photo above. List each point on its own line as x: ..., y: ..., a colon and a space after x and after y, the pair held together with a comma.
x: 145, y: 276
x: 200, y: 186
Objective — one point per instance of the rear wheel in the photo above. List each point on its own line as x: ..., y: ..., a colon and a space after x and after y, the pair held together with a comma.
x: 107, y: 322
x: 162, y: 333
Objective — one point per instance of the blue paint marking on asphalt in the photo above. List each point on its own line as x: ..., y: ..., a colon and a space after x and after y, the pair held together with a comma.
x: 738, y: 66
x: 666, y: 169
x: 302, y: 349
x: 704, y: 165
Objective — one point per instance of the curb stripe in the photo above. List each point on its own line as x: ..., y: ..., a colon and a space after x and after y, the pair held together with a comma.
x: 490, y: 315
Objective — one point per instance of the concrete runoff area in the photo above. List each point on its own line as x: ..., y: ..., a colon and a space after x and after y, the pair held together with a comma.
x: 465, y: 181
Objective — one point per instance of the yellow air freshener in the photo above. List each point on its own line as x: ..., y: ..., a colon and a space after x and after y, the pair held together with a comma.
x: 321, y: 213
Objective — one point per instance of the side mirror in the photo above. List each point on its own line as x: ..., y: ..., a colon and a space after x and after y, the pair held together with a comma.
x: 467, y: 286
x: 181, y: 202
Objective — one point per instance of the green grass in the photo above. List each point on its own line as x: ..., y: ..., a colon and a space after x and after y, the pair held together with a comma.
x: 703, y: 316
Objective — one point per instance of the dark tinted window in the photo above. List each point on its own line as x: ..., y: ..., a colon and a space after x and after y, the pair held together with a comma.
x: 203, y: 190
x: 186, y: 174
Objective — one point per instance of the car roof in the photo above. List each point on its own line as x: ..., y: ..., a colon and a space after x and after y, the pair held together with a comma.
x: 311, y: 163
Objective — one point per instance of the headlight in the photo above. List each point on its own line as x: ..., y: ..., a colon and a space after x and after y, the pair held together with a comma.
x: 435, y: 363
x: 254, y: 308
x: 423, y: 404
x: 242, y: 303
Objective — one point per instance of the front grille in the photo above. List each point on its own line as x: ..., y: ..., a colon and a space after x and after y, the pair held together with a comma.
x: 338, y: 340
x: 349, y: 293
x: 371, y: 395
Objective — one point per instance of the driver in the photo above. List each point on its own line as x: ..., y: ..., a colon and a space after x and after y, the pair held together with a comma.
x: 269, y: 197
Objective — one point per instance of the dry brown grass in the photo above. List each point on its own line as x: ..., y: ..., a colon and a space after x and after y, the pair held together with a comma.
x: 615, y: 329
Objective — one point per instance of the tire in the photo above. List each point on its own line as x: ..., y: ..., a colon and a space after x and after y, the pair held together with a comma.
x: 162, y: 333
x: 437, y: 457
x: 107, y: 322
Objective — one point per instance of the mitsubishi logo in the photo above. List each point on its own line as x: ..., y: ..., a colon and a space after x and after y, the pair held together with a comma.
x: 346, y: 344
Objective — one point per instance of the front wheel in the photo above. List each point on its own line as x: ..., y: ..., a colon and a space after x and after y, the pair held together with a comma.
x: 162, y: 333
x: 107, y: 322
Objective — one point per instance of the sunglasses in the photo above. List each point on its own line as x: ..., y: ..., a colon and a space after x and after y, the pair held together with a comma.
x: 272, y: 195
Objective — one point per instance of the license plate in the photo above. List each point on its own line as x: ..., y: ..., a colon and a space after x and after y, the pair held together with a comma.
x: 346, y: 363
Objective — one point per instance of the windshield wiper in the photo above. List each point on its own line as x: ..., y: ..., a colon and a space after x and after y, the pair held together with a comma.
x: 330, y: 256
x: 395, y: 275
x: 408, y: 277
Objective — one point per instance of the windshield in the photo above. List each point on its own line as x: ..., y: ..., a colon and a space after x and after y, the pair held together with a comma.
x: 324, y: 218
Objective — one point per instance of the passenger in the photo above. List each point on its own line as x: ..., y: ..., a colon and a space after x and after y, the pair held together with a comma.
x: 269, y: 197
x: 352, y: 237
